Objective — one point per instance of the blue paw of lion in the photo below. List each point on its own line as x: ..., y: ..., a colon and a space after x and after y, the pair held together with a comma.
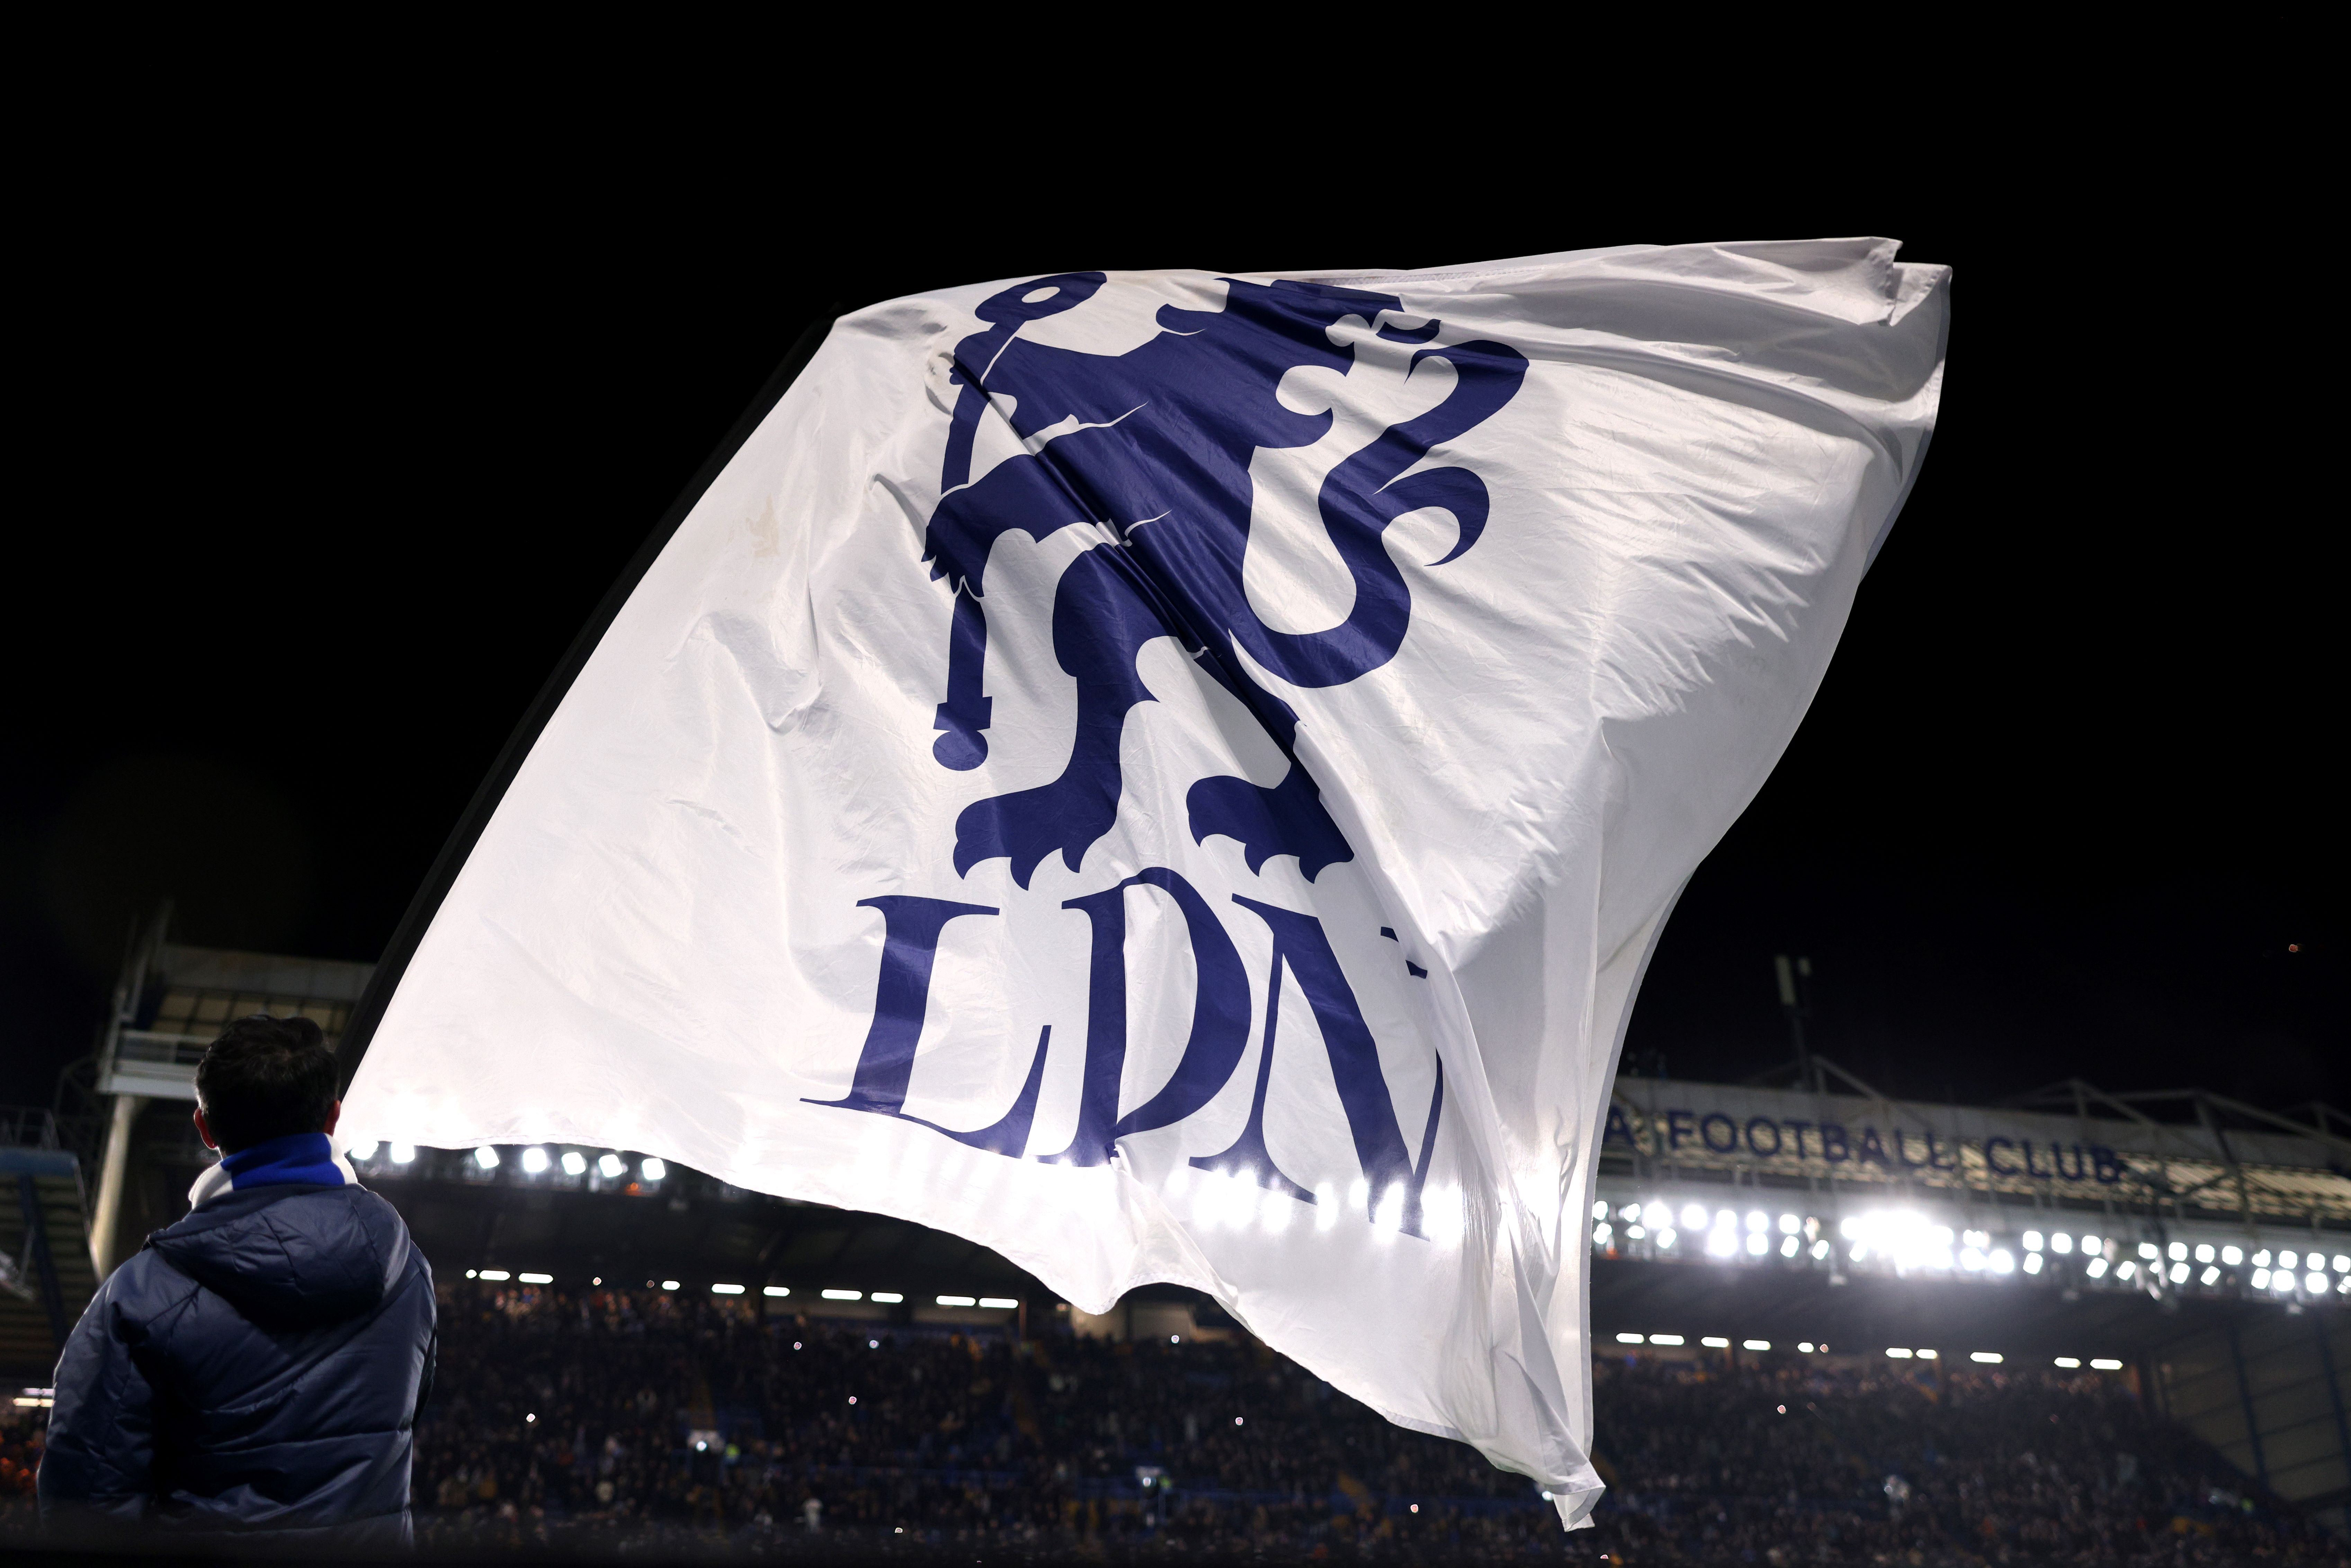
x: 1287, y: 819
x: 1028, y: 825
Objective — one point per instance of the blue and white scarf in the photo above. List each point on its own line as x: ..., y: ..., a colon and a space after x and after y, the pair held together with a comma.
x: 306, y: 1158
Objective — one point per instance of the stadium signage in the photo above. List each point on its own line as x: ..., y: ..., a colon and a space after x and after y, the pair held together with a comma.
x: 1678, y: 1131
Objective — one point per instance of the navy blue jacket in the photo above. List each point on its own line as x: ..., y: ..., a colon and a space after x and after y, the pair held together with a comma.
x: 257, y: 1365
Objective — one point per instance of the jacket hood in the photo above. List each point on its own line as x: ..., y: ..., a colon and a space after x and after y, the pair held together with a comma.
x: 292, y: 1257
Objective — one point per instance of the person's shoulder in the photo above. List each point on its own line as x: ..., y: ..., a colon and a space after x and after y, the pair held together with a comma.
x: 144, y: 1290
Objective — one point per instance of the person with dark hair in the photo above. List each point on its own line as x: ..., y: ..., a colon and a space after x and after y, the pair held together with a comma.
x: 257, y: 1367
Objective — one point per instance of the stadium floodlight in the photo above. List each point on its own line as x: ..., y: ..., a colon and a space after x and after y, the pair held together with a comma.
x: 2097, y: 1269
x: 1631, y: 1338
x: 669, y: 1284
x: 2343, y: 1285
x: 575, y: 1164
x: 2106, y: 1363
x: 1758, y: 1243
x: 2003, y: 1261
x: 2282, y: 1279
x: 1600, y: 1209
x: 361, y: 1152
x: 1715, y: 1342
x: 888, y: 1297
x: 534, y: 1159
x: 1928, y: 1356
x: 1631, y: 1211
x: 1726, y: 1220
x: 529, y: 1279
x: 486, y: 1157
x: 1665, y: 1339
x: 2125, y: 1270
x: 843, y: 1295
x: 1820, y: 1249
x: 1989, y: 1357
x: 2342, y: 1264
x: 2204, y: 1253
x: 403, y: 1154
x: 1694, y: 1218
x: 1633, y: 1233
x: 2261, y: 1280
x: 1658, y: 1213
x: 2314, y: 1282
x: 654, y: 1168
x: 2032, y: 1241
x: 2033, y: 1262
x: 1978, y: 1239
x: 1755, y: 1344
x: 2149, y: 1249
x: 2211, y: 1275
x: 998, y: 1303
x: 495, y: 1274
x: 2071, y: 1362
x: 1667, y: 1237
x: 1896, y: 1352
x: 1721, y: 1243
x: 1970, y: 1259
x: 1790, y: 1225
x: 2262, y: 1259
x: 2179, y: 1274
x: 725, y: 1290
x: 1791, y: 1245
x: 1848, y: 1227
x: 2092, y: 1244
x: 2177, y: 1252
x: 2232, y: 1256
x: 777, y: 1290
x: 958, y: 1301
x: 1602, y: 1235
x: 1805, y: 1345
x: 1757, y: 1220
x: 2289, y: 1259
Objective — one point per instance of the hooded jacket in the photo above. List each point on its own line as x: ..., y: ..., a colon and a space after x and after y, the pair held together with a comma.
x: 257, y: 1365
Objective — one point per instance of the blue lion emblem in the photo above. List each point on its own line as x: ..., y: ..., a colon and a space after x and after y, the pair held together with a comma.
x: 1160, y: 456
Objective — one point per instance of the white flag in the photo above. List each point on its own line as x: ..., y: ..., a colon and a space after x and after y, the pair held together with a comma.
x: 1175, y: 777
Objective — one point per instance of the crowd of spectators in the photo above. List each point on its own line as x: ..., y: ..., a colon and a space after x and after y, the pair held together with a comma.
x: 666, y: 1424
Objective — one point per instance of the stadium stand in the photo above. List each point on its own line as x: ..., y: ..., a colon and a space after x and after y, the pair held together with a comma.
x: 664, y: 1423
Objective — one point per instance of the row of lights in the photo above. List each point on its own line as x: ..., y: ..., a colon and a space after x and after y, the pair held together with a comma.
x: 1910, y: 1241
x: 36, y: 1399
x: 535, y: 1161
x: 887, y: 1298
x: 1896, y: 1352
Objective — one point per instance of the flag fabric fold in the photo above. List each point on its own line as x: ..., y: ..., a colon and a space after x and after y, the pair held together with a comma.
x: 1176, y: 777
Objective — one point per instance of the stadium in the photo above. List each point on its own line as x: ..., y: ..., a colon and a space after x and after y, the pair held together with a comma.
x: 1827, y: 1326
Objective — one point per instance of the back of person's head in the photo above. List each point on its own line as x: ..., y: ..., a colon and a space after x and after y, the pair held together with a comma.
x: 264, y: 1079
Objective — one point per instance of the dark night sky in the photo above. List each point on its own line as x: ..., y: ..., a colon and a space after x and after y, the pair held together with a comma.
x: 340, y: 468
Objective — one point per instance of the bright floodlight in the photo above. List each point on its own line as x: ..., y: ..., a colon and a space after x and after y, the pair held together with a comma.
x: 888, y: 1297
x: 1755, y: 1344
x: 1790, y: 1225
x: 1757, y: 1220
x: 775, y: 1290
x: 534, y: 1159
x: 1897, y: 1352
x: 403, y: 1154
x: 2232, y: 1256
x: 362, y: 1152
x: 1665, y: 1339
x: 2060, y: 1242
x: 2314, y: 1282
x: 1989, y: 1357
x: 669, y: 1284
x: 2209, y: 1276
x: 1715, y: 1342
x: 530, y: 1279
x: 652, y: 1168
x: 1600, y: 1209
x: 1667, y: 1237
x: 2033, y: 1262
x: 1694, y: 1218
x: 574, y: 1162
x: 611, y: 1166
x: 844, y: 1295
x: 958, y: 1300
x: 725, y: 1290
x: 2069, y: 1361
x: 1758, y: 1243
x: 495, y: 1274
x: 486, y: 1157
x: 2003, y: 1261
x: 2289, y: 1259
x: 2032, y: 1239
x: 1630, y: 1338
x: 2104, y: 1365
x: 1000, y: 1303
